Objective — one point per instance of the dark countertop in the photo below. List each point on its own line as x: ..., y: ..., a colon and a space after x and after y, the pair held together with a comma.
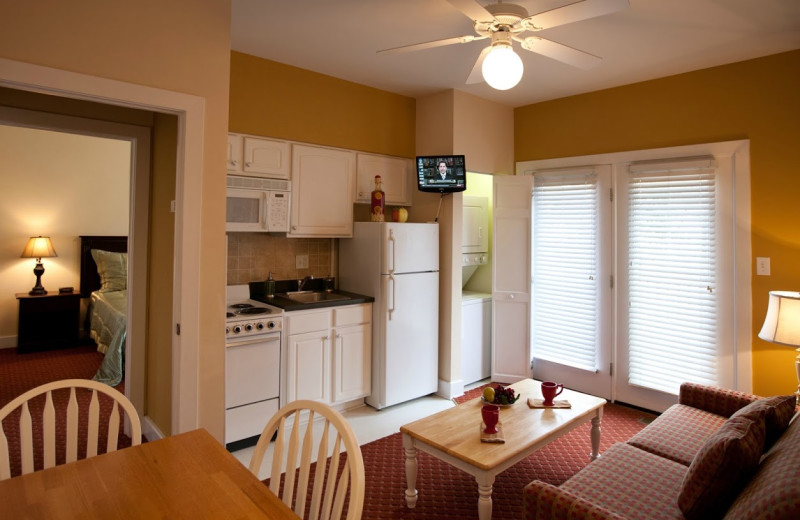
x: 289, y: 305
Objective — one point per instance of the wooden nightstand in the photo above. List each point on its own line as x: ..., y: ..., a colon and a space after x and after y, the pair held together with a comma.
x: 48, y: 321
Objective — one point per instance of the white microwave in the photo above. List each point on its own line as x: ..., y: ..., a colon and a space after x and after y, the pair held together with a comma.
x: 254, y: 204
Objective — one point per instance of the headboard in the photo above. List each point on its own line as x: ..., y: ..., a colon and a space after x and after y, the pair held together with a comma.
x: 90, y: 280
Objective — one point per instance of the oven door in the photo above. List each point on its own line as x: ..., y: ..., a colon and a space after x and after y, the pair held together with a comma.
x: 245, y: 210
x: 252, y: 369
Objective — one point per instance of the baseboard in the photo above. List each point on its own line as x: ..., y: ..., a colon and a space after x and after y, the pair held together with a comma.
x: 150, y: 430
x: 8, y: 342
x: 450, y: 389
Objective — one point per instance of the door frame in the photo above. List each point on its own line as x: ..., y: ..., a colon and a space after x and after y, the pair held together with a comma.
x: 190, y: 112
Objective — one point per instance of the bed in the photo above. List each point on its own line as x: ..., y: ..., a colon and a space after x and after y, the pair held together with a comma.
x: 104, y: 273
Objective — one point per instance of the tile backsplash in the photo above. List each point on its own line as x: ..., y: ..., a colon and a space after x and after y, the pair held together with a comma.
x: 252, y: 256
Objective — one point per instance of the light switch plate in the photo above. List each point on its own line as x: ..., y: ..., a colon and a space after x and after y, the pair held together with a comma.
x: 762, y: 265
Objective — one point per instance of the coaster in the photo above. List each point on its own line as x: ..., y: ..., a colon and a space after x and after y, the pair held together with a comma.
x: 492, y: 437
x: 539, y: 403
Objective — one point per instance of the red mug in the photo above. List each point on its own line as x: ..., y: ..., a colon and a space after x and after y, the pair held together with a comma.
x: 491, y: 415
x: 550, y: 390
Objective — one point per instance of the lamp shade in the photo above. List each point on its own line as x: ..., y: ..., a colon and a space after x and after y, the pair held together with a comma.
x: 38, y: 247
x: 502, y: 67
x: 782, y: 323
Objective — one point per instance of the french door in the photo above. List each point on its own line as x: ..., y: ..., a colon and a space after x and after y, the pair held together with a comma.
x: 632, y: 276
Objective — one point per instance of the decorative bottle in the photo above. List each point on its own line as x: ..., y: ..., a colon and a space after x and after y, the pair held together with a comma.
x: 378, y: 203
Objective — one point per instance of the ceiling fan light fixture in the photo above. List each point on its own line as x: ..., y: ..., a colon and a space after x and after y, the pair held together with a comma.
x: 502, y: 67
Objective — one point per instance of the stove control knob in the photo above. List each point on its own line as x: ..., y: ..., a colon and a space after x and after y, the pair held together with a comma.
x: 271, y: 325
x: 227, y: 330
x: 237, y: 329
x: 260, y: 326
x: 248, y: 327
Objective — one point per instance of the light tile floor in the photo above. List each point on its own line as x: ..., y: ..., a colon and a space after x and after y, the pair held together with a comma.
x: 370, y: 424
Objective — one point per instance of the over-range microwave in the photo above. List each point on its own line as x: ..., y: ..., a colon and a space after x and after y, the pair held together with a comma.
x: 255, y: 204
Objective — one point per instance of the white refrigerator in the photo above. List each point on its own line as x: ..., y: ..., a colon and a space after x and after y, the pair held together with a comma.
x: 398, y: 265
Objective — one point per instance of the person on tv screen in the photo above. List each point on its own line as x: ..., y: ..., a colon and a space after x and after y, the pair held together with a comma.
x: 442, y: 174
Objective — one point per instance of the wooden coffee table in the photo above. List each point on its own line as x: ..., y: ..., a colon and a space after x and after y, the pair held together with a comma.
x: 453, y: 436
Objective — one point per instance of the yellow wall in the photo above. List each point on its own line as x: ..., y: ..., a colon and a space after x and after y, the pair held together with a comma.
x: 276, y: 100
x: 757, y: 100
x: 182, y: 46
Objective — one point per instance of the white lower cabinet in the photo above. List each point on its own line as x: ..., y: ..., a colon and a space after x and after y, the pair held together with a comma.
x: 329, y: 353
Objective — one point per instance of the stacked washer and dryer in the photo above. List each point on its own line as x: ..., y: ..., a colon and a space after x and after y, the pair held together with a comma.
x: 476, y: 306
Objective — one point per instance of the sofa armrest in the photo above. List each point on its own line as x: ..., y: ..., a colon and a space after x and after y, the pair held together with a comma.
x: 545, y: 501
x: 713, y: 399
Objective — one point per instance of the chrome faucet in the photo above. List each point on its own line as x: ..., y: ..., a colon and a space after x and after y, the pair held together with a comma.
x: 301, y: 283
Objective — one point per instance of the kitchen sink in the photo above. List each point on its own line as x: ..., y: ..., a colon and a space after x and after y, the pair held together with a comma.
x: 313, y: 297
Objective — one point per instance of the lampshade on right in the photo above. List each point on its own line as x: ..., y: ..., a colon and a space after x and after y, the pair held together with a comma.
x: 782, y: 324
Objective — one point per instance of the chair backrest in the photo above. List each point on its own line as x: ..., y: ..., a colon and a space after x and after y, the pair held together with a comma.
x: 83, y: 390
x: 294, y: 457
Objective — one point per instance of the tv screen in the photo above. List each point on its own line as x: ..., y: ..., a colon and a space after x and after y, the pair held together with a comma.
x: 441, y: 173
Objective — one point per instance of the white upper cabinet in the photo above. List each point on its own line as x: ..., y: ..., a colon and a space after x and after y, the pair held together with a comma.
x: 397, y: 177
x: 323, y: 184
x: 258, y: 157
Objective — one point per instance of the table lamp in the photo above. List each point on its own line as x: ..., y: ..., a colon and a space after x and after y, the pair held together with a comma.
x: 782, y: 324
x: 38, y: 248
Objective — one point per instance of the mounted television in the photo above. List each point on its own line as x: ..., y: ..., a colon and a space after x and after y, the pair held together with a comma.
x: 441, y: 173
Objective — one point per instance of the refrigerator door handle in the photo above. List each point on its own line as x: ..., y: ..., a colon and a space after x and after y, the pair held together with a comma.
x: 391, y: 296
x: 391, y: 245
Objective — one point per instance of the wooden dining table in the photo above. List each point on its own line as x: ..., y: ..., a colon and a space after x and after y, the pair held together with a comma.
x: 189, y: 475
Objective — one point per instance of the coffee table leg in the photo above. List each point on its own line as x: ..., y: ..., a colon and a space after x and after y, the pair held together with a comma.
x: 485, y: 483
x: 411, y: 470
x: 596, y: 420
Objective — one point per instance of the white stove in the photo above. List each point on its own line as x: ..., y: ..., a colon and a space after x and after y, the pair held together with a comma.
x: 246, y: 317
x: 252, y: 366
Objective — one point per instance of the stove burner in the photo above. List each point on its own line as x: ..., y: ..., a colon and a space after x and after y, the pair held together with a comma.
x: 229, y: 315
x: 241, y: 306
x: 254, y: 310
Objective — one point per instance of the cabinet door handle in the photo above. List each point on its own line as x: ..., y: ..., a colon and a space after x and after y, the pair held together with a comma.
x: 234, y: 163
x: 248, y: 164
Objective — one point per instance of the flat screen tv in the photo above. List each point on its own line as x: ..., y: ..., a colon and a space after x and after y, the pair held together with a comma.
x: 441, y: 173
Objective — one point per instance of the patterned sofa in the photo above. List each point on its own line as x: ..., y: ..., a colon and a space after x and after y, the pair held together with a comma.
x: 716, y: 454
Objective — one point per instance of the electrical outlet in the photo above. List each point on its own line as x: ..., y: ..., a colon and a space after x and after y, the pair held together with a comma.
x: 301, y: 262
x: 762, y: 265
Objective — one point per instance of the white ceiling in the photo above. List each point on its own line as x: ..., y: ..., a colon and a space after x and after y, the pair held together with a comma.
x: 651, y: 39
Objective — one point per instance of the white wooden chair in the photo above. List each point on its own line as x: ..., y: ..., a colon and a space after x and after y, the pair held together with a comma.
x: 48, y: 422
x: 291, y: 454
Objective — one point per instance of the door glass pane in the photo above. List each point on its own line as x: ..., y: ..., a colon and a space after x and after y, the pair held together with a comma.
x: 565, y: 258
x: 242, y: 210
x: 673, y: 307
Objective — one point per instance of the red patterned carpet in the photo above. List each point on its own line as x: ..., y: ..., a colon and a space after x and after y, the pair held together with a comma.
x: 446, y: 493
x: 22, y: 372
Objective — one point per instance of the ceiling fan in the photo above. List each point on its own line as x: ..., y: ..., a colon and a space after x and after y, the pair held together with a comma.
x: 506, y: 23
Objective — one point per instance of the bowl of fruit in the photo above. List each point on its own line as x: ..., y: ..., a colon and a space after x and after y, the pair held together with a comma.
x: 499, y: 395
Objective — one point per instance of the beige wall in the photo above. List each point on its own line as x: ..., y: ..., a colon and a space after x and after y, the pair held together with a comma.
x: 756, y: 100
x: 46, y: 181
x: 182, y: 46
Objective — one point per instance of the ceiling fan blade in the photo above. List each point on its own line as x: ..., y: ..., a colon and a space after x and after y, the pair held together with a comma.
x: 472, y: 9
x: 575, y: 12
x: 560, y: 52
x: 431, y: 44
x: 476, y: 76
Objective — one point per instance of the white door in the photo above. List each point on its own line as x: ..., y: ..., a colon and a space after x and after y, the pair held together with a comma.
x: 409, y: 248
x: 410, y: 316
x: 511, y: 279
x: 571, y: 296
x: 352, y: 362
x: 308, y: 367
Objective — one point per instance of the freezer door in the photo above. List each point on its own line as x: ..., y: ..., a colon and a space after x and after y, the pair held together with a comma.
x: 409, y: 248
x: 411, y: 340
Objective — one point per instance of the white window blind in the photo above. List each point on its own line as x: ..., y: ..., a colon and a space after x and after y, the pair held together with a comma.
x: 673, y: 308
x: 565, y: 244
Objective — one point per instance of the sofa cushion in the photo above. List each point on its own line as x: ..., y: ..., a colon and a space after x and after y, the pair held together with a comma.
x: 631, y: 483
x: 776, y: 412
x: 773, y: 493
x: 678, y: 433
x: 721, y: 468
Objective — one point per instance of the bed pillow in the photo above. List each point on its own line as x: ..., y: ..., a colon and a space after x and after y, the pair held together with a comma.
x: 720, y: 468
x: 112, y: 268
